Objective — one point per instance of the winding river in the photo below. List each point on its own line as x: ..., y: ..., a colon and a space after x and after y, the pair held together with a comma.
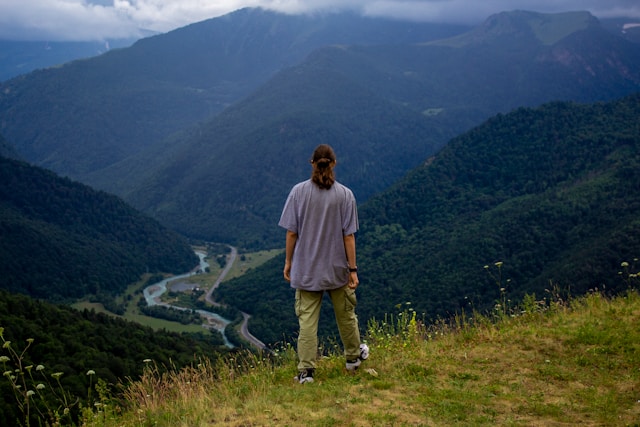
x: 153, y: 292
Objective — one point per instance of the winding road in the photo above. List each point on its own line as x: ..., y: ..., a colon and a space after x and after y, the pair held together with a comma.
x: 223, y: 274
x: 153, y: 292
x: 244, y: 329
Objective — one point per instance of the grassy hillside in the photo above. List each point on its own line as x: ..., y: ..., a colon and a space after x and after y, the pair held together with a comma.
x: 549, y: 362
x: 547, y: 28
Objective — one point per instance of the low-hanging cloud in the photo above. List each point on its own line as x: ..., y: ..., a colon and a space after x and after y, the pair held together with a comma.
x: 468, y: 11
x: 110, y: 19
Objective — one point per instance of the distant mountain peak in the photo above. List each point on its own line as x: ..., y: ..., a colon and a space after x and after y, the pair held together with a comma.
x: 548, y: 28
x: 545, y: 28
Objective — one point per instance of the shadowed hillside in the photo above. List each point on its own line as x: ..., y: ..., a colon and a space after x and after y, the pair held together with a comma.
x: 62, y: 240
x: 57, y: 340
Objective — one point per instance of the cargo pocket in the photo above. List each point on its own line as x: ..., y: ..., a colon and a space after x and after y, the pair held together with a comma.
x: 297, y: 303
x: 350, y: 299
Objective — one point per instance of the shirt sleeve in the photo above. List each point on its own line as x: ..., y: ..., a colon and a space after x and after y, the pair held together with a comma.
x: 288, y: 218
x: 350, y: 215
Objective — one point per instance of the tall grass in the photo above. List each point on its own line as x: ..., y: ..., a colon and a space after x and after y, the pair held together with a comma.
x: 551, y: 364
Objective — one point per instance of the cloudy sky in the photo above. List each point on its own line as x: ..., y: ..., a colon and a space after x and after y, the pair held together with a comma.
x: 102, y: 19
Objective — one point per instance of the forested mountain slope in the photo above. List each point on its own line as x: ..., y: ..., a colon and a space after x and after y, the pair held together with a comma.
x: 63, y: 240
x: 549, y: 192
x: 75, y: 342
x: 227, y: 180
x: 384, y: 108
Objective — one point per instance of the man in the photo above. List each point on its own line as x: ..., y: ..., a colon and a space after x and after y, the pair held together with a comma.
x: 321, y: 219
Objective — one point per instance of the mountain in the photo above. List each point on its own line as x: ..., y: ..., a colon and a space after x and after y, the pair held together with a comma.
x: 22, y: 57
x: 89, y: 114
x: 62, y: 240
x: 227, y: 179
x: 384, y: 108
x: 545, y: 198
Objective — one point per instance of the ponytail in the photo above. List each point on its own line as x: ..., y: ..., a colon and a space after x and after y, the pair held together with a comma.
x: 323, y: 161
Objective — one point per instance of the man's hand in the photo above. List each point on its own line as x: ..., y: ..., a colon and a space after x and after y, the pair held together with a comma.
x: 287, y: 271
x: 353, y: 280
x: 290, y: 245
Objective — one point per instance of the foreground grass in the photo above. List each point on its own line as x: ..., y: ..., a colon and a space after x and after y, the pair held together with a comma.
x: 554, y: 366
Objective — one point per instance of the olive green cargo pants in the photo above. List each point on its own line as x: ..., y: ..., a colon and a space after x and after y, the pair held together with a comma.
x: 307, y: 308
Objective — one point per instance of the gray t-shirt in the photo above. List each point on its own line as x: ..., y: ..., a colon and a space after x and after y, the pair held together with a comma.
x: 321, y: 219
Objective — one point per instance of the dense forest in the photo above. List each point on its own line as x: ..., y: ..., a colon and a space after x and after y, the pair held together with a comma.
x: 75, y: 342
x: 62, y: 240
x: 535, y: 201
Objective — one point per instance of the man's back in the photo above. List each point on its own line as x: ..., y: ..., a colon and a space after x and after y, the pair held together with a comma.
x: 321, y: 218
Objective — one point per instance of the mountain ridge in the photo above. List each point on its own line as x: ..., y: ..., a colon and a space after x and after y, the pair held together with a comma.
x: 112, y: 106
x: 21, y: 57
x: 546, y: 28
x: 443, y: 91
x: 209, y: 180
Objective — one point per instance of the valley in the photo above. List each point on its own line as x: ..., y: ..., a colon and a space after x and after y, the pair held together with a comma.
x: 206, y: 277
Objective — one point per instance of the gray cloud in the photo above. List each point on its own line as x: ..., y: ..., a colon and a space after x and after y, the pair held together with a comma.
x: 101, y: 19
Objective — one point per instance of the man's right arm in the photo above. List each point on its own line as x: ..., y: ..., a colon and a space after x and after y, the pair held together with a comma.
x: 350, y: 251
x: 290, y: 245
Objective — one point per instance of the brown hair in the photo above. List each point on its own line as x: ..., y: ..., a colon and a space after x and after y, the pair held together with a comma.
x: 323, y: 161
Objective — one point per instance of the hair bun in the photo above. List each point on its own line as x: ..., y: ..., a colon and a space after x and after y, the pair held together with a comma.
x: 323, y: 163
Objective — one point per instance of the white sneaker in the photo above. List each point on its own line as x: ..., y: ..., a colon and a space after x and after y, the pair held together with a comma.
x: 364, y: 351
x: 305, y: 376
x: 353, y: 364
